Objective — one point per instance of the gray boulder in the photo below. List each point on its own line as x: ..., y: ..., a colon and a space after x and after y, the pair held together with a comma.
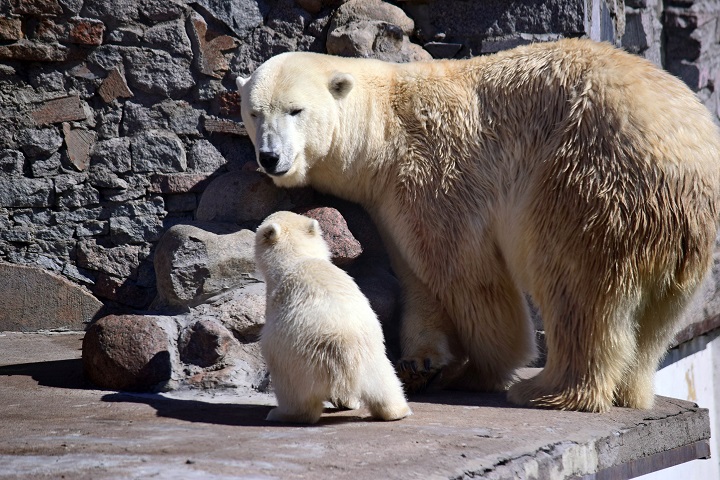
x: 240, y: 310
x: 242, y: 17
x: 36, y: 142
x: 204, y: 157
x: 196, y: 262
x: 11, y: 163
x: 209, y: 347
x: 158, y: 151
x: 158, y: 72
x: 373, y: 29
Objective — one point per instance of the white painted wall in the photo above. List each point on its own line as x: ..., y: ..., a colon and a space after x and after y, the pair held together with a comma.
x: 695, y: 378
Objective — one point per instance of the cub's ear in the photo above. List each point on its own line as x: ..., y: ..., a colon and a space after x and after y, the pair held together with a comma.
x: 341, y: 84
x: 271, y: 233
x: 314, y: 227
x: 240, y: 82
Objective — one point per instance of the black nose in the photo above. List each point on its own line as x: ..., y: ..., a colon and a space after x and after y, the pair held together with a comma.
x: 269, y: 161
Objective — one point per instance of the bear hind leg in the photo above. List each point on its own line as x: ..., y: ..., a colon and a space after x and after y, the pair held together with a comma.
x: 308, y: 413
x: 300, y: 399
x: 589, y: 350
x: 383, y: 393
x: 657, y: 322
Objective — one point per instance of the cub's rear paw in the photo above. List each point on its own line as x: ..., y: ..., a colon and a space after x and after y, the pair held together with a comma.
x: 418, y: 375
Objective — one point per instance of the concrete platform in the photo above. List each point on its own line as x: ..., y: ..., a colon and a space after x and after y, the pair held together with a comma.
x: 54, y: 425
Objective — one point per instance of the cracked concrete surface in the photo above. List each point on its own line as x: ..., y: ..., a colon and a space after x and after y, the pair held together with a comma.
x: 55, y: 425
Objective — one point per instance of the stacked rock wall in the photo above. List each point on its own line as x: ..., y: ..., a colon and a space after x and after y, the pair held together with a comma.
x: 117, y: 115
x: 691, y: 41
x: 125, y: 168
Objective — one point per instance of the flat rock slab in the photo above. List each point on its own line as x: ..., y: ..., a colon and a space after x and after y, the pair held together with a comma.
x: 55, y: 425
x: 34, y: 299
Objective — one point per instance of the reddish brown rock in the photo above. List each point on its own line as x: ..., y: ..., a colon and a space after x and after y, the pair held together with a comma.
x: 344, y: 247
x: 28, y: 51
x: 178, y: 182
x: 79, y: 144
x: 86, y: 31
x: 128, y: 352
x: 210, y: 59
x: 10, y: 29
x: 224, y: 126
x: 114, y: 86
x: 229, y: 103
x: 35, y: 299
x: 363, y: 229
x: 64, y: 109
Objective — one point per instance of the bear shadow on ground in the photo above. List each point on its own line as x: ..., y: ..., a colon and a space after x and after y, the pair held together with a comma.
x: 463, y: 398
x: 232, y: 414
x: 69, y: 374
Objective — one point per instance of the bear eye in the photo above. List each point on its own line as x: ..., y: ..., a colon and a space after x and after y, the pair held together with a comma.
x: 296, y: 111
x: 253, y: 114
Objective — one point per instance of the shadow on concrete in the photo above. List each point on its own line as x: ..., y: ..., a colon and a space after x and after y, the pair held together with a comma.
x: 57, y: 373
x: 232, y: 414
x: 463, y: 398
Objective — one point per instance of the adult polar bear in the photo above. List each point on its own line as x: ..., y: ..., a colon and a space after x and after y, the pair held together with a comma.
x: 570, y: 170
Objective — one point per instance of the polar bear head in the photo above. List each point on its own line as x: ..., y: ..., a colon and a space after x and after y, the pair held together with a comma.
x: 291, y: 112
x: 285, y: 238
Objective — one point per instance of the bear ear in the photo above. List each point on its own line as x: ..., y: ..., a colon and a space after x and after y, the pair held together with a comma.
x: 240, y: 82
x: 314, y: 227
x: 271, y: 233
x: 341, y: 84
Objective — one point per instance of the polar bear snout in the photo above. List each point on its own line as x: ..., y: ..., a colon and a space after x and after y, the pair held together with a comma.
x: 270, y: 161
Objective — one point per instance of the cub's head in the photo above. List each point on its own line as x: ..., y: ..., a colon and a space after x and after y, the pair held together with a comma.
x: 284, y: 238
x: 290, y: 109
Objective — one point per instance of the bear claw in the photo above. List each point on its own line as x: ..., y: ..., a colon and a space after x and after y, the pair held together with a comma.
x: 408, y: 365
x: 415, y: 380
x: 427, y: 364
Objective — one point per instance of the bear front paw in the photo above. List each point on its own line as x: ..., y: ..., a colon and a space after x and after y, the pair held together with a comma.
x: 418, y: 375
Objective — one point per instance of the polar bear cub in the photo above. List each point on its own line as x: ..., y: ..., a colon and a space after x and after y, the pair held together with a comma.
x: 321, y: 339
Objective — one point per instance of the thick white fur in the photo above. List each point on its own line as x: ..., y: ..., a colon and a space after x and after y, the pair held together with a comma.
x: 573, y: 171
x: 321, y: 339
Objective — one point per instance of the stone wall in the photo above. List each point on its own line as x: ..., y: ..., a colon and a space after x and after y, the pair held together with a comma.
x: 117, y: 115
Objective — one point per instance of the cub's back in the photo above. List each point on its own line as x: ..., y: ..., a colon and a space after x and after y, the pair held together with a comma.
x: 316, y: 287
